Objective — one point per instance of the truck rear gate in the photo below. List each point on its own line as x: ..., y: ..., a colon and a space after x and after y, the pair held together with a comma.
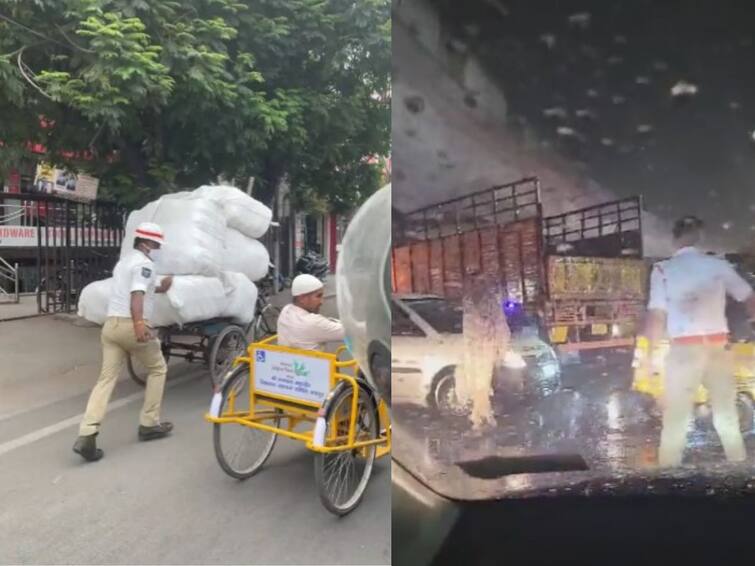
x: 496, y: 231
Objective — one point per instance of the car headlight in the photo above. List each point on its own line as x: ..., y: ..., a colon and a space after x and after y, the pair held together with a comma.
x: 512, y: 360
x: 549, y: 370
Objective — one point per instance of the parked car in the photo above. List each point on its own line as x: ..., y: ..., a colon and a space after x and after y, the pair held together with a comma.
x: 427, y: 346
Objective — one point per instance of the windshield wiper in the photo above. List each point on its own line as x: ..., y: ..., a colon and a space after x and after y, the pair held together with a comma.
x: 492, y: 467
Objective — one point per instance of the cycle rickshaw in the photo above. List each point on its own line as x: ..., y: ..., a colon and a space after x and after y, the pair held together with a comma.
x: 216, y: 342
x: 274, y: 391
x: 744, y: 373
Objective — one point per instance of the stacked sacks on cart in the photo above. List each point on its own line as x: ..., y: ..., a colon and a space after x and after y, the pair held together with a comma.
x: 191, y: 298
x: 207, y: 231
x: 211, y: 250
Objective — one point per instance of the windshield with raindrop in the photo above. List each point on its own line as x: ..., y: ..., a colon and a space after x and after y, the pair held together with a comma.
x: 542, y: 159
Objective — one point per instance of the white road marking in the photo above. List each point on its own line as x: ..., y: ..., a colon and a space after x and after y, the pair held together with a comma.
x: 27, y: 439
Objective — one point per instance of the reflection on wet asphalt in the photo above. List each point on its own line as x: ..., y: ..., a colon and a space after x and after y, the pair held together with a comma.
x: 595, y: 416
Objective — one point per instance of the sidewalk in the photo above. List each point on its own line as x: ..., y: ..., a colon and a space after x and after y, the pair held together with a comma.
x: 26, y: 307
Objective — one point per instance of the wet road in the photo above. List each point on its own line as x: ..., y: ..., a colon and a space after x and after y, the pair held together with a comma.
x: 595, y: 416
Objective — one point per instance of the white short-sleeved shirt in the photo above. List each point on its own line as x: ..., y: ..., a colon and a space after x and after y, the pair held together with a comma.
x: 692, y: 287
x: 134, y: 272
x: 298, y: 328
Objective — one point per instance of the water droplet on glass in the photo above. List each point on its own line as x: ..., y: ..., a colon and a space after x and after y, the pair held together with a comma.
x: 684, y: 88
x: 580, y: 19
x: 549, y: 40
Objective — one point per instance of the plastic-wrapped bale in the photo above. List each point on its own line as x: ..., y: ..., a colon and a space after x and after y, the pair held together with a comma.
x: 195, y: 232
x: 196, y: 298
x: 94, y: 299
x: 245, y: 255
x: 241, y: 297
x: 163, y: 313
x: 243, y: 213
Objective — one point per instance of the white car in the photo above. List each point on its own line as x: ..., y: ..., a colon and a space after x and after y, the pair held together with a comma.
x: 426, y: 347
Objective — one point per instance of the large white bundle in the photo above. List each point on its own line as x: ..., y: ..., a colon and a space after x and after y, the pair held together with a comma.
x: 94, y: 299
x: 194, y: 228
x: 241, y: 297
x: 196, y: 298
x: 245, y: 255
x: 243, y: 213
x: 163, y: 313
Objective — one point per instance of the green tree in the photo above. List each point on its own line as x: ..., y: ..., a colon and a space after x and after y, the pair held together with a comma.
x: 168, y: 94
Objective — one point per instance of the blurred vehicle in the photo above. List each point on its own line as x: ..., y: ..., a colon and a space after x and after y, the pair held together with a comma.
x: 427, y: 346
x: 651, y: 383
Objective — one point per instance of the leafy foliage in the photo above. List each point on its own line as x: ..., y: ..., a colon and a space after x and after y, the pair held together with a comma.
x: 168, y: 94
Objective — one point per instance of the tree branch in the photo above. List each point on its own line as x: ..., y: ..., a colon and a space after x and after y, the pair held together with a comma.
x: 30, y: 30
x: 24, y: 69
x: 68, y: 39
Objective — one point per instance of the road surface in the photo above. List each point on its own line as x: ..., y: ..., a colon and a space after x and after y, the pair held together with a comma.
x: 595, y: 416
x: 160, y: 502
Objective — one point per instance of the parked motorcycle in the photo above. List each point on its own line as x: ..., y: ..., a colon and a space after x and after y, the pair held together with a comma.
x: 313, y: 263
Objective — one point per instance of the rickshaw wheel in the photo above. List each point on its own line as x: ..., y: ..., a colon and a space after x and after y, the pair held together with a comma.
x: 342, y: 477
x: 241, y: 450
x: 137, y: 371
x: 265, y: 323
x: 746, y: 412
x: 226, y: 347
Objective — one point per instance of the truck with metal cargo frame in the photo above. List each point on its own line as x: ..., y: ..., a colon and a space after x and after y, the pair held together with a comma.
x: 579, y: 274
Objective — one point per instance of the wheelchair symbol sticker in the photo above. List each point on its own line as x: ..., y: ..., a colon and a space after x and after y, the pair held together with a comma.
x: 261, y: 356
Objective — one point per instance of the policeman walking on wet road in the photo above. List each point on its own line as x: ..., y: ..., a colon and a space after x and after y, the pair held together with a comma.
x: 127, y: 333
x: 687, y: 303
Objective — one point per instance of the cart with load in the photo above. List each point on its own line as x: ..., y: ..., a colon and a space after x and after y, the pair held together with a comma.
x: 216, y: 342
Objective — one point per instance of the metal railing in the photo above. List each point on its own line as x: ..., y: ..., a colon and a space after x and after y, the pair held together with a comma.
x: 497, y: 205
x: 69, y: 243
x: 608, y: 229
x: 11, y: 214
x: 9, y: 275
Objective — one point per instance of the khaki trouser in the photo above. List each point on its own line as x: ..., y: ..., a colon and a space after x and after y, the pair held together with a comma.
x: 118, y: 341
x: 687, y: 366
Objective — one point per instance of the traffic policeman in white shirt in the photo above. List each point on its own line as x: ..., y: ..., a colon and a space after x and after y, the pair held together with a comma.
x: 300, y: 325
x: 687, y: 303
x: 127, y: 332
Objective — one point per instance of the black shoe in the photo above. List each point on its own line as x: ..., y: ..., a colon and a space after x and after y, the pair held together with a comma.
x: 154, y: 432
x: 86, y: 447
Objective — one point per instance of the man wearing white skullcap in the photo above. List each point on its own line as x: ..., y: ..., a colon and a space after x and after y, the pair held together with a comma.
x: 127, y: 333
x: 300, y: 325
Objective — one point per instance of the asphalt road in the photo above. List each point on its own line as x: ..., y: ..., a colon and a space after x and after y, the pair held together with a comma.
x: 160, y: 502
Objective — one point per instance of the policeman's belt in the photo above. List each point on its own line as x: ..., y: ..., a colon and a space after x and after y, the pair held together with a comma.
x: 702, y: 339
